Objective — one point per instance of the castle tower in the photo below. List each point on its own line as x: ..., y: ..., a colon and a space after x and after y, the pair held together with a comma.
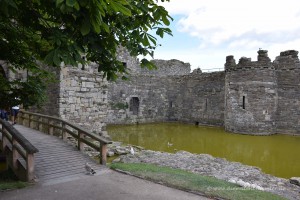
x: 250, y: 95
x: 287, y: 67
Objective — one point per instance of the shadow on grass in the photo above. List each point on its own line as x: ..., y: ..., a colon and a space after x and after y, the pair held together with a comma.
x: 9, y: 181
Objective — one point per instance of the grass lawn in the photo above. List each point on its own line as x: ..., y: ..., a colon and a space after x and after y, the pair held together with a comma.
x: 180, y: 179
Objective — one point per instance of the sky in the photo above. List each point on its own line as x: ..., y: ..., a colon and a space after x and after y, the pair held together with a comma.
x: 206, y: 31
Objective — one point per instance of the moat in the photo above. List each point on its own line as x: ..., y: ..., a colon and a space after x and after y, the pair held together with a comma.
x: 277, y: 154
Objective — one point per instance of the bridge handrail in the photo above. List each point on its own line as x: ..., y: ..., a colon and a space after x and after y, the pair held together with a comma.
x: 62, y: 125
x: 20, y: 146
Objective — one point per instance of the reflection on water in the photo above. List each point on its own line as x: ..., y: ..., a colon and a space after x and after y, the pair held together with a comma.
x: 277, y: 154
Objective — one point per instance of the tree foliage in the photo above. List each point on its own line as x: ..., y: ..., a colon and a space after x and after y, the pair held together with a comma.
x: 76, y: 32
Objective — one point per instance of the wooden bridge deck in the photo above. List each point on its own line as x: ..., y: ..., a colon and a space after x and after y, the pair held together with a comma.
x: 56, y: 160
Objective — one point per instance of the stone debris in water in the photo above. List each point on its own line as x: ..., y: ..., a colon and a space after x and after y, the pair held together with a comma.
x: 295, y: 180
x: 204, y: 164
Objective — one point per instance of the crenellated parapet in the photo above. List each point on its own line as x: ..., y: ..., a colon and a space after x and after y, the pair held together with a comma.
x: 287, y: 60
x: 250, y: 95
x: 263, y: 62
x: 263, y: 97
x: 230, y: 63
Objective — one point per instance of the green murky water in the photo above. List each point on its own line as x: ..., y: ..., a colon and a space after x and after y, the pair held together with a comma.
x: 278, y: 155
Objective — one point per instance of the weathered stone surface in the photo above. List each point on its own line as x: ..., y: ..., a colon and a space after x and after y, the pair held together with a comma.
x: 246, y: 176
x: 200, y: 101
x: 168, y: 68
x: 252, y: 97
x: 110, y: 153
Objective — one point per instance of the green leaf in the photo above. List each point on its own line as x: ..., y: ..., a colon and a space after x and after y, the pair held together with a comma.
x: 117, y: 7
x: 152, y: 38
x: 106, y: 27
x: 148, y: 64
x: 12, y: 4
x: 58, y: 2
x: 160, y: 32
x: 49, y: 58
x: 145, y: 40
x: 56, y: 57
x: 85, y: 28
x: 71, y: 3
x: 165, y: 20
x: 76, y: 6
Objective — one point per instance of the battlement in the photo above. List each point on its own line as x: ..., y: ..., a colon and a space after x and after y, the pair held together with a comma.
x: 287, y: 60
x: 263, y: 62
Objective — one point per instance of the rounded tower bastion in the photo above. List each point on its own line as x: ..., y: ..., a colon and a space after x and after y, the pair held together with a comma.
x: 287, y: 67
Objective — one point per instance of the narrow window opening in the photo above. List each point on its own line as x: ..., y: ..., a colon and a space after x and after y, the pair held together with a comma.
x: 206, y: 104
x: 83, y: 66
x: 244, y: 102
x: 170, y: 104
x: 134, y: 105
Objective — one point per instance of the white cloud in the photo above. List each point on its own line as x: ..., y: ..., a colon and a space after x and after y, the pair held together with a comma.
x: 239, y: 26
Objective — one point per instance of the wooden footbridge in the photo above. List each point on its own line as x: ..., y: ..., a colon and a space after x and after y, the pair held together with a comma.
x: 36, y: 148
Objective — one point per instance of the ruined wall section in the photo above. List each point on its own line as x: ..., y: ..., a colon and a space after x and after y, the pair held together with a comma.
x: 251, y: 95
x: 168, y: 68
x: 83, y: 97
x: 148, y: 87
x: 132, y: 63
x: 149, y: 91
x: 288, y: 79
x: 197, y: 98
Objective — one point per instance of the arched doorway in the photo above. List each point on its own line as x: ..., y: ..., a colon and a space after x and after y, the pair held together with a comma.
x: 134, y: 105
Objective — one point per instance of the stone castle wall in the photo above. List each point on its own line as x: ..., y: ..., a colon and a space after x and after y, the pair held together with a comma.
x: 193, y: 99
x: 83, y: 97
x: 78, y: 96
x: 263, y: 97
x: 197, y: 98
x: 151, y: 98
x: 252, y: 97
x: 168, y: 68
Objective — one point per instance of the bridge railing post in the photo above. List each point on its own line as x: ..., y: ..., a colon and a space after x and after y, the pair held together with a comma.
x: 30, y: 166
x: 4, y: 139
x: 103, y: 152
x: 50, y: 127
x: 29, y: 120
x: 40, y: 124
x: 21, y: 119
x: 15, y: 154
x: 80, y: 143
x: 64, y: 132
